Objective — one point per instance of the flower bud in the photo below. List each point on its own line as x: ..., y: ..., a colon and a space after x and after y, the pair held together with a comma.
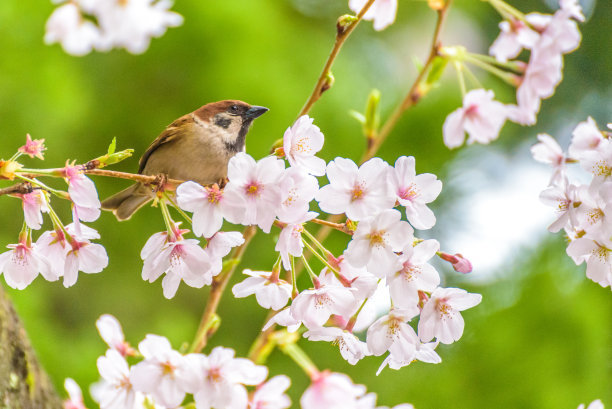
x: 344, y: 22
x: 460, y: 263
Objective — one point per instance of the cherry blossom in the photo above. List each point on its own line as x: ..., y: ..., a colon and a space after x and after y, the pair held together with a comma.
x: 562, y: 198
x: 75, y: 396
x: 330, y: 390
x: 116, y: 391
x: 481, y: 117
x: 514, y: 36
x: 219, y: 246
x: 414, y: 275
x: 83, y: 256
x: 111, y: 332
x: 284, y: 318
x: 270, y: 291
x: 382, y: 12
x: 82, y: 193
x: 358, y: 192
x: 156, y: 375
x: 34, y: 204
x: 206, y: 205
x: 440, y: 317
x: 596, y: 404
x: 460, y: 263
x: 301, y: 142
x: 375, y: 241
x: 290, y: 239
x: 594, y: 213
x: 598, y: 257
x: 414, y: 191
x: 586, y: 138
x: 67, y: 26
x: 22, y: 264
x: 314, y: 306
x: 217, y: 380
x: 33, y: 148
x: 351, y: 348
x: 253, y: 192
x: 297, y: 191
x: 271, y: 395
x: 182, y: 259
x: 424, y: 352
x: 549, y: 152
x: 393, y: 331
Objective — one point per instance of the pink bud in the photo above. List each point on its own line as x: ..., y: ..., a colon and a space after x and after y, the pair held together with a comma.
x: 33, y: 148
x: 460, y: 263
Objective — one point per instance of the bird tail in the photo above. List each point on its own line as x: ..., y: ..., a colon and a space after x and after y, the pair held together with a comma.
x: 125, y: 203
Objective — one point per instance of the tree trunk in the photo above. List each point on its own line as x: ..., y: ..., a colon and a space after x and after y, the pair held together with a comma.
x: 23, y: 383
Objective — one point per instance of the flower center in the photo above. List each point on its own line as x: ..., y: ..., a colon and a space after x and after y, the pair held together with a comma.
x: 214, y: 195
x: 377, y: 238
x: 443, y: 308
x: 253, y: 189
x: 408, y: 193
x: 167, y: 368
x: 358, y: 191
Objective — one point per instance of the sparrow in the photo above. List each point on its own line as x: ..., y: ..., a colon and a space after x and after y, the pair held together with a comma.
x: 197, y: 146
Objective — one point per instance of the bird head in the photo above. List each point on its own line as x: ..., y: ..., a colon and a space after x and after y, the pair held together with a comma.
x: 230, y: 120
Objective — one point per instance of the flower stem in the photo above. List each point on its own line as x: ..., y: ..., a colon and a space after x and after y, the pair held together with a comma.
x: 320, y: 257
x: 296, y: 353
x: 178, y: 209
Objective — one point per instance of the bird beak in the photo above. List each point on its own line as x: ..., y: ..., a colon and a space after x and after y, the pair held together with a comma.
x: 255, y: 112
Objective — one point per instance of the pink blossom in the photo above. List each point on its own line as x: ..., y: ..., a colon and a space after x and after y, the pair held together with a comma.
x: 481, y: 117
x: 219, y: 246
x: 414, y: 191
x: 549, y: 152
x: 331, y: 390
x: 84, y: 256
x: 284, y: 318
x: 33, y: 148
x: 359, y: 192
x: 23, y: 263
x: 598, y: 257
x: 586, y: 137
x: 314, y: 306
x: 271, y: 395
x: 351, y: 348
x: 270, y: 291
x: 116, y: 390
x: 460, y: 263
x: 598, y: 162
x: 297, y: 191
x: 424, y: 353
x: 514, y: 36
x: 206, y: 204
x: 290, y: 239
x: 376, y: 240
x: 301, y: 142
x: 382, y: 12
x: 53, y: 245
x: 182, y: 259
x: 75, y: 396
x: 596, y: 404
x: 415, y: 274
x: 393, y: 329
x: 253, y: 193
x: 440, y: 317
x: 156, y: 375
x: 562, y: 198
x: 217, y: 380
x: 67, y: 26
x: 111, y: 332
x: 34, y: 204
x: 594, y: 215
x: 82, y: 193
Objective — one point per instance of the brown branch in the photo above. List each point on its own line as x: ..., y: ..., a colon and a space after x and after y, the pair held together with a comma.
x: 205, y: 330
x: 146, y: 179
x: 338, y: 226
x: 414, y: 94
x: 344, y: 30
x: 18, y: 189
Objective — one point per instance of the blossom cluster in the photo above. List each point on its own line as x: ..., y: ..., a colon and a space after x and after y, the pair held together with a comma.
x: 65, y: 250
x: 382, y: 255
x: 81, y: 26
x: 165, y: 378
x: 583, y: 211
x: 548, y: 38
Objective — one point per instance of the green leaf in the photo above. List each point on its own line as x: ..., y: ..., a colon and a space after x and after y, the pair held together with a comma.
x: 112, y: 146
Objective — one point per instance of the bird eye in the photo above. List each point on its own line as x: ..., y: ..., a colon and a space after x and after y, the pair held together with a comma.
x: 234, y: 108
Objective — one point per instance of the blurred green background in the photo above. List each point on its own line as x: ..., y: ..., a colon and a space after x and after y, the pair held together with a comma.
x: 541, y: 337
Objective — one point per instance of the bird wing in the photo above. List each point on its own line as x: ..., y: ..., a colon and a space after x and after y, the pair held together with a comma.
x: 171, y: 133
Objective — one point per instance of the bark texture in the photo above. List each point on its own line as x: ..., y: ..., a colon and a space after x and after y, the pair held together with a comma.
x: 23, y: 383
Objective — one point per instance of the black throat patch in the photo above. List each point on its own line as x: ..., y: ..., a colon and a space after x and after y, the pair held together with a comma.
x: 238, y: 144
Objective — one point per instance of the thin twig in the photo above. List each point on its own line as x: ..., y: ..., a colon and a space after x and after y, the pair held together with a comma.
x: 18, y: 189
x: 217, y: 289
x: 323, y: 83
